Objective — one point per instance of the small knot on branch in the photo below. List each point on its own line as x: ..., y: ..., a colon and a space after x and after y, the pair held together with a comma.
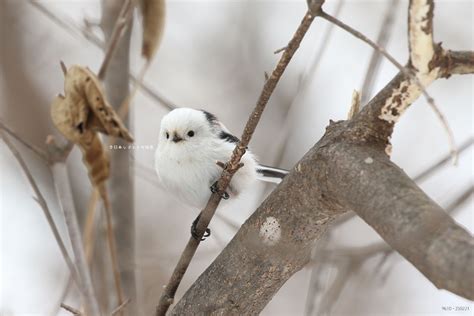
x: 280, y: 50
x: 57, y: 153
x: 314, y: 6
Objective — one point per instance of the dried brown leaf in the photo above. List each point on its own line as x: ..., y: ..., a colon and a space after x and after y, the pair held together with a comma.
x: 83, y: 112
x: 85, y: 108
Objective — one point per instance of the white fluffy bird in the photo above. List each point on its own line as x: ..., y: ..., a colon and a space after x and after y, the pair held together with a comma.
x: 191, y: 142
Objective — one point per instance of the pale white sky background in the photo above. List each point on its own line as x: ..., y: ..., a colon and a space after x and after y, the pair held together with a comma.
x: 213, y: 56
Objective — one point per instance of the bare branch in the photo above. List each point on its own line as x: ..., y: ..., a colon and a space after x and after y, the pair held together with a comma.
x: 442, y: 245
x: 423, y: 175
x: 233, y: 165
x: 349, y: 260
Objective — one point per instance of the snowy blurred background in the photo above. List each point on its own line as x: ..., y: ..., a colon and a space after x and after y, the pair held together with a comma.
x: 213, y: 56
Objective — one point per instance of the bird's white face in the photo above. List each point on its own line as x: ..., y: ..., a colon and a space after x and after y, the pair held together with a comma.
x: 185, y: 128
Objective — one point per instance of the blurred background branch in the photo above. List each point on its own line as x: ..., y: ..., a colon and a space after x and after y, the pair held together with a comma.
x: 116, y: 23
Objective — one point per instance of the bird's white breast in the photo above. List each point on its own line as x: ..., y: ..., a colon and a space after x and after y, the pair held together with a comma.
x: 188, y: 173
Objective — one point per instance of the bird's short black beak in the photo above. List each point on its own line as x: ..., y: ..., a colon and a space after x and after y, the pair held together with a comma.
x: 176, y: 138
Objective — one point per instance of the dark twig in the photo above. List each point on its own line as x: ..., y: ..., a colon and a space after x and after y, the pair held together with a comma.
x: 167, y: 296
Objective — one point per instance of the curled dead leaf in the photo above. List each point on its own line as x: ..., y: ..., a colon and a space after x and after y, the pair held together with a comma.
x: 85, y: 108
x: 83, y: 112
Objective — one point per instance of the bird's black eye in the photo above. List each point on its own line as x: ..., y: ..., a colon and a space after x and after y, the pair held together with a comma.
x: 191, y: 133
x: 167, y: 135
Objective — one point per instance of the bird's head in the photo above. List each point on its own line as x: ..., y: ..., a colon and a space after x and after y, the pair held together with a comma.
x: 185, y: 126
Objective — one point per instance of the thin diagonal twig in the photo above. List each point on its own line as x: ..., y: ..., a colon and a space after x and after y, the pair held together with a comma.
x: 233, y: 165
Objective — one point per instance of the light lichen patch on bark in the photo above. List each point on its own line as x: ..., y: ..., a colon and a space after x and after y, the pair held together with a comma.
x: 368, y: 160
x: 270, y: 231
x: 398, y: 101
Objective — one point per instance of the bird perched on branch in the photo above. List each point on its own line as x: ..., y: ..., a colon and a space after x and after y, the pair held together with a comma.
x: 192, y: 146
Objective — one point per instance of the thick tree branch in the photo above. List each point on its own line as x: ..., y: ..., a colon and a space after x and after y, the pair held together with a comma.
x: 349, y: 260
x: 406, y: 218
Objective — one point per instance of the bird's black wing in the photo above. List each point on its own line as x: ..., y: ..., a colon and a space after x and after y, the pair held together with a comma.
x: 228, y: 137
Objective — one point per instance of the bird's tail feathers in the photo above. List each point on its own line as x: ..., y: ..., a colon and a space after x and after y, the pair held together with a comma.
x: 270, y: 174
